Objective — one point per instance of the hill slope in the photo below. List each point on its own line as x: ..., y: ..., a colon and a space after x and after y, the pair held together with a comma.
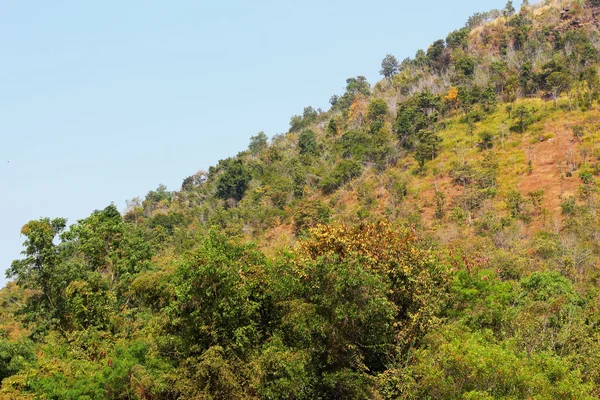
x: 431, y: 236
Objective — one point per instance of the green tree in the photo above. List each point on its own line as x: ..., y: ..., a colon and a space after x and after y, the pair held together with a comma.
x: 458, y: 38
x: 14, y: 356
x: 524, y: 117
x: 426, y: 148
x: 558, y: 83
x: 419, y: 113
x: 515, y: 204
x: 344, y: 172
x: 378, y: 110
x: 437, y: 56
x: 258, y: 143
x: 389, y: 66
x: 234, y: 179
x: 42, y: 270
x: 307, y: 142
x: 214, y: 320
x: 509, y: 9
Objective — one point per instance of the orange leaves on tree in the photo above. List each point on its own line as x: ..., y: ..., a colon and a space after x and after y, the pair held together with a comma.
x: 452, y: 96
x: 358, y: 109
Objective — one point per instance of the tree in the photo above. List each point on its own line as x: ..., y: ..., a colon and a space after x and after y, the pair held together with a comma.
x: 344, y: 172
x: 515, y: 203
x: 558, y: 82
x: 258, y: 143
x: 378, y: 109
x: 420, y: 112
x: 435, y: 50
x: 509, y: 9
x: 418, y: 281
x: 440, y: 204
x: 41, y: 269
x: 465, y: 65
x: 234, y: 180
x: 13, y: 356
x: 358, y: 85
x: 309, y: 115
x: 213, y: 321
x: 524, y: 117
x: 438, y: 56
x: 332, y: 127
x: 389, y: 66
x: 307, y: 142
x: 458, y: 38
x: 155, y: 196
x: 426, y: 148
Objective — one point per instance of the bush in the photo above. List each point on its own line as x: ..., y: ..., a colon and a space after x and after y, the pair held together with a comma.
x: 309, y: 214
x: 343, y: 172
x: 355, y: 144
x: 378, y: 110
x: 234, y: 180
x: 307, y: 142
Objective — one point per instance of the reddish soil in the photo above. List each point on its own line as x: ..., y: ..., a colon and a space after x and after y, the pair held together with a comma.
x: 549, y: 161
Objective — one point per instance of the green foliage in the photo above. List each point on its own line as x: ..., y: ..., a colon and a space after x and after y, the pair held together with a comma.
x: 457, y: 38
x: 307, y: 142
x: 487, y: 139
x: 309, y: 214
x: 14, y: 356
x: 42, y: 270
x: 437, y: 56
x: 459, y: 297
x: 344, y: 172
x: 158, y: 195
x: 481, y: 18
x: 389, y: 66
x: 308, y: 116
x: 474, y: 366
x: 465, y: 65
x: 213, y: 305
x: 356, y: 145
x: 440, y: 203
x: 357, y: 86
x: 545, y: 286
x: 524, y: 117
x: 416, y: 115
x: 426, y: 147
x: 515, y: 203
x: 378, y: 110
x: 130, y: 372
x: 233, y: 181
x: 332, y: 127
x: 340, y: 319
x: 258, y: 143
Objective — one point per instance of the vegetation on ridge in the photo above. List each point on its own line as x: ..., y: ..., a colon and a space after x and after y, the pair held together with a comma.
x: 431, y: 236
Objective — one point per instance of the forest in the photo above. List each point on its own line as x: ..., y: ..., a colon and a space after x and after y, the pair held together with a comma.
x: 433, y: 235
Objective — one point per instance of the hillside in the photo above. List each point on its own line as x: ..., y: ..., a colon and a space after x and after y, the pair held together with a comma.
x: 433, y: 235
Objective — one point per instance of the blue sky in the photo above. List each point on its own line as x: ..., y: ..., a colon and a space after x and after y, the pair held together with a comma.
x: 101, y: 102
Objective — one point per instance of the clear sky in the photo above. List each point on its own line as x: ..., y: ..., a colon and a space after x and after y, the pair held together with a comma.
x: 102, y: 101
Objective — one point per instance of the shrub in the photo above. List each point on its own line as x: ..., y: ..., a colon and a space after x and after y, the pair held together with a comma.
x: 307, y: 141
x: 234, y: 180
x: 344, y: 172
x: 378, y: 110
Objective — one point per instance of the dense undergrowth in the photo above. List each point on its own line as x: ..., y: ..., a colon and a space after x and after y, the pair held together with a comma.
x: 432, y: 236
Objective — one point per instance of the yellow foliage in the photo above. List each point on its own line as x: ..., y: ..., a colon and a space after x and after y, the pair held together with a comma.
x: 418, y: 280
x: 358, y: 109
x: 452, y: 95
